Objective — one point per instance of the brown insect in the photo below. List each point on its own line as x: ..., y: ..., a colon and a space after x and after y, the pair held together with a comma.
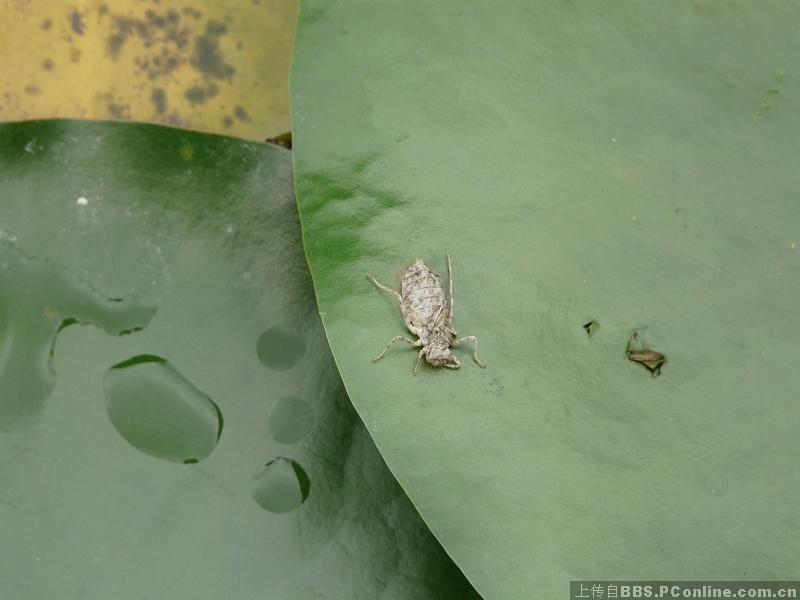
x: 649, y: 359
x: 428, y: 314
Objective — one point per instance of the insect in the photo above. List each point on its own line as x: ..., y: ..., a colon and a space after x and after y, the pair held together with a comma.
x: 428, y: 314
x: 649, y: 359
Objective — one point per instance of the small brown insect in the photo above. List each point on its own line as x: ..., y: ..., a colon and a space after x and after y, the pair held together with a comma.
x: 428, y: 314
x: 590, y: 327
x: 649, y: 359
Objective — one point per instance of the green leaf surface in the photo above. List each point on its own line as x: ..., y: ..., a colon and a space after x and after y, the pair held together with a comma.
x: 189, y: 245
x: 629, y: 163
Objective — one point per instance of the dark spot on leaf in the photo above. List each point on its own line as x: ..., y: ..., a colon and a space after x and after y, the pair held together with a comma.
x: 159, y: 99
x: 241, y: 113
x: 216, y: 28
x: 155, y: 20
x: 161, y: 37
x: 206, y: 56
x: 192, y: 12
x: 76, y: 22
x: 47, y: 64
x: 227, y: 121
x: 198, y: 94
x: 175, y: 120
x: 31, y: 89
x: 117, y: 110
x: 114, y: 44
x: 47, y: 23
x: 102, y: 10
x: 75, y: 54
x: 590, y: 327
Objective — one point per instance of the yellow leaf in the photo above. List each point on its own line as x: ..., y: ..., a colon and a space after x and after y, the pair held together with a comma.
x: 213, y: 66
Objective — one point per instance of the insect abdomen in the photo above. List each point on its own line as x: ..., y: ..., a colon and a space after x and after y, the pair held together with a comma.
x: 423, y: 295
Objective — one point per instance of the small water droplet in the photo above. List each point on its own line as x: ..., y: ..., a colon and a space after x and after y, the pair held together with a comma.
x: 82, y: 201
x: 282, y: 485
x: 280, y: 348
x: 159, y: 411
x: 290, y: 420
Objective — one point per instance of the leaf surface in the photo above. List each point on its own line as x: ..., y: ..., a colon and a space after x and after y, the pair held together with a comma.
x: 626, y: 163
x: 144, y: 272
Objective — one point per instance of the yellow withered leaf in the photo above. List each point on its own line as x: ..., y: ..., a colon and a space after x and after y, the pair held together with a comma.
x: 212, y: 66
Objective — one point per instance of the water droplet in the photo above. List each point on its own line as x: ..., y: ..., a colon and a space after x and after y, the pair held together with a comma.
x: 37, y: 300
x: 280, y: 348
x: 290, y: 420
x: 82, y: 201
x: 159, y: 411
x: 281, y: 486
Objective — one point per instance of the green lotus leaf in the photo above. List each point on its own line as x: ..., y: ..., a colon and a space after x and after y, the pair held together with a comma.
x: 147, y: 447
x: 630, y: 165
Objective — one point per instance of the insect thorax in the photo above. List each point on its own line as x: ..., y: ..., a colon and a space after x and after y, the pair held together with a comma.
x: 439, y: 337
x: 437, y: 349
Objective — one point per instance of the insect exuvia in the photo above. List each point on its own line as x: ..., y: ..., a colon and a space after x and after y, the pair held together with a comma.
x: 428, y: 314
x: 649, y: 359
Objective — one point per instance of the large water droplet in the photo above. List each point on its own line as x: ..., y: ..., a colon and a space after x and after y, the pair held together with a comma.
x: 280, y: 348
x: 159, y: 411
x: 290, y: 420
x: 37, y: 300
x: 282, y: 486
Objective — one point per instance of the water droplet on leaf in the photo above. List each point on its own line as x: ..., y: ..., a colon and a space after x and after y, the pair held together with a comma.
x: 159, y: 411
x: 37, y: 300
x: 281, y: 486
x: 280, y: 348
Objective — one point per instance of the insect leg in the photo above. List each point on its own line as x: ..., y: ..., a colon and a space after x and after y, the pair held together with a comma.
x: 474, y: 340
x: 419, y: 360
x: 398, y: 338
x: 396, y: 295
x: 384, y: 288
x: 452, y: 296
